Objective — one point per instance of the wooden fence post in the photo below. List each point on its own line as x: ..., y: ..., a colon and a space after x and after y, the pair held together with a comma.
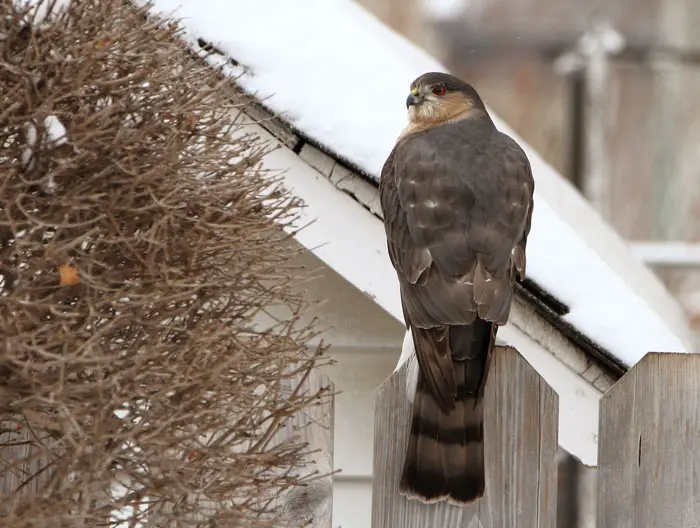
x: 312, y: 505
x: 309, y: 506
x: 649, y: 446
x: 521, y: 423
x: 24, y: 463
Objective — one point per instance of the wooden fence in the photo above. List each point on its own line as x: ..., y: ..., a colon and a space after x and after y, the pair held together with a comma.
x: 521, y: 422
x: 312, y: 505
x: 24, y: 464
x: 649, y: 450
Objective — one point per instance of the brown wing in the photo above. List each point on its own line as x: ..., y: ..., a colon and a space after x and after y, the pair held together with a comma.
x: 457, y: 201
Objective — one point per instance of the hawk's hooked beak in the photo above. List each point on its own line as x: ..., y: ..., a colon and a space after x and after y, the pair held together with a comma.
x: 413, y: 99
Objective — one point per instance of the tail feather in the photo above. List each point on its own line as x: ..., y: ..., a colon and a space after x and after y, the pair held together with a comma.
x: 445, y: 455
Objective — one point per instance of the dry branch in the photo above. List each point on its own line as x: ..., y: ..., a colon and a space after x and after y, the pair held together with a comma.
x: 137, y: 249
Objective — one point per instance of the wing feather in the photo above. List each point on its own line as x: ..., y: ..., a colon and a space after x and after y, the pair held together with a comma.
x: 457, y: 204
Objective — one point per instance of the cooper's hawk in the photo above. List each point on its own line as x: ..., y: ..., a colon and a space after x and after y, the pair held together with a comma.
x: 457, y: 198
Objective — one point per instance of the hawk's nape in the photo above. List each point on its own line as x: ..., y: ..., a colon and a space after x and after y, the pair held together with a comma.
x: 456, y: 196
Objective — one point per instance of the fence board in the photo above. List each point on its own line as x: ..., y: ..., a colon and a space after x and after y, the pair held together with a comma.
x: 311, y: 506
x: 649, y: 456
x: 521, y: 423
x: 23, y: 463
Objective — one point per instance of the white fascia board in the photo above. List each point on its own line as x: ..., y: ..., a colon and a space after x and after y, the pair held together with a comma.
x: 339, y: 231
x: 348, y: 238
x: 668, y: 254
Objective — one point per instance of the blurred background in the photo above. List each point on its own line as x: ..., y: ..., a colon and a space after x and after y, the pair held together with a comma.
x: 609, y: 94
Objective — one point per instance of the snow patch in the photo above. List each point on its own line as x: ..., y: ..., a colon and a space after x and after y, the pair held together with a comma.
x: 53, y: 135
x: 55, y: 131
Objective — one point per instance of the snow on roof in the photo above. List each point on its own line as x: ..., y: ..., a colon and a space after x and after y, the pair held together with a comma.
x: 340, y: 77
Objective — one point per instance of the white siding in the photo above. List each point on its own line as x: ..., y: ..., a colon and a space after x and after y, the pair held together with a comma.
x: 366, y: 344
x: 352, y: 503
x: 356, y: 375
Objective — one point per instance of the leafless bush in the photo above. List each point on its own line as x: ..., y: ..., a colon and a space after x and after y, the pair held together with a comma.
x: 138, y: 252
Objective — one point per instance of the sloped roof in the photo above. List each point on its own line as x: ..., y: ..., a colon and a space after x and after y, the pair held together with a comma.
x: 339, y: 77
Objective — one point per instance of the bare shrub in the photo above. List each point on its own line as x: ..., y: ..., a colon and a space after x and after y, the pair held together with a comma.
x: 139, y: 248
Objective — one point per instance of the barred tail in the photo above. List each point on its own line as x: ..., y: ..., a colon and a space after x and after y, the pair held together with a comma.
x: 445, y: 455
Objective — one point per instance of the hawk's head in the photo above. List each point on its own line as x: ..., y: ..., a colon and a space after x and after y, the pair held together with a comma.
x: 439, y: 97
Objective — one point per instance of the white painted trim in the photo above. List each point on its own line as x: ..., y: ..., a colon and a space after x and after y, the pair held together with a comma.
x: 338, y: 230
x: 668, y: 254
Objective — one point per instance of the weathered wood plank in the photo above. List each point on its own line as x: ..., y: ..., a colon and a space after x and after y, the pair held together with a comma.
x: 649, y: 446
x: 308, y: 506
x: 23, y: 463
x: 311, y: 506
x: 521, y: 423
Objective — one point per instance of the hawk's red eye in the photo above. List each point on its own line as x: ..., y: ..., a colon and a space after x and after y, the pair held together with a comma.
x: 439, y: 90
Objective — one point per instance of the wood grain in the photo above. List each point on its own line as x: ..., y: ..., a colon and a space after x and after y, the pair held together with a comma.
x: 24, y: 464
x: 649, y: 446
x: 311, y: 506
x: 521, y: 424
